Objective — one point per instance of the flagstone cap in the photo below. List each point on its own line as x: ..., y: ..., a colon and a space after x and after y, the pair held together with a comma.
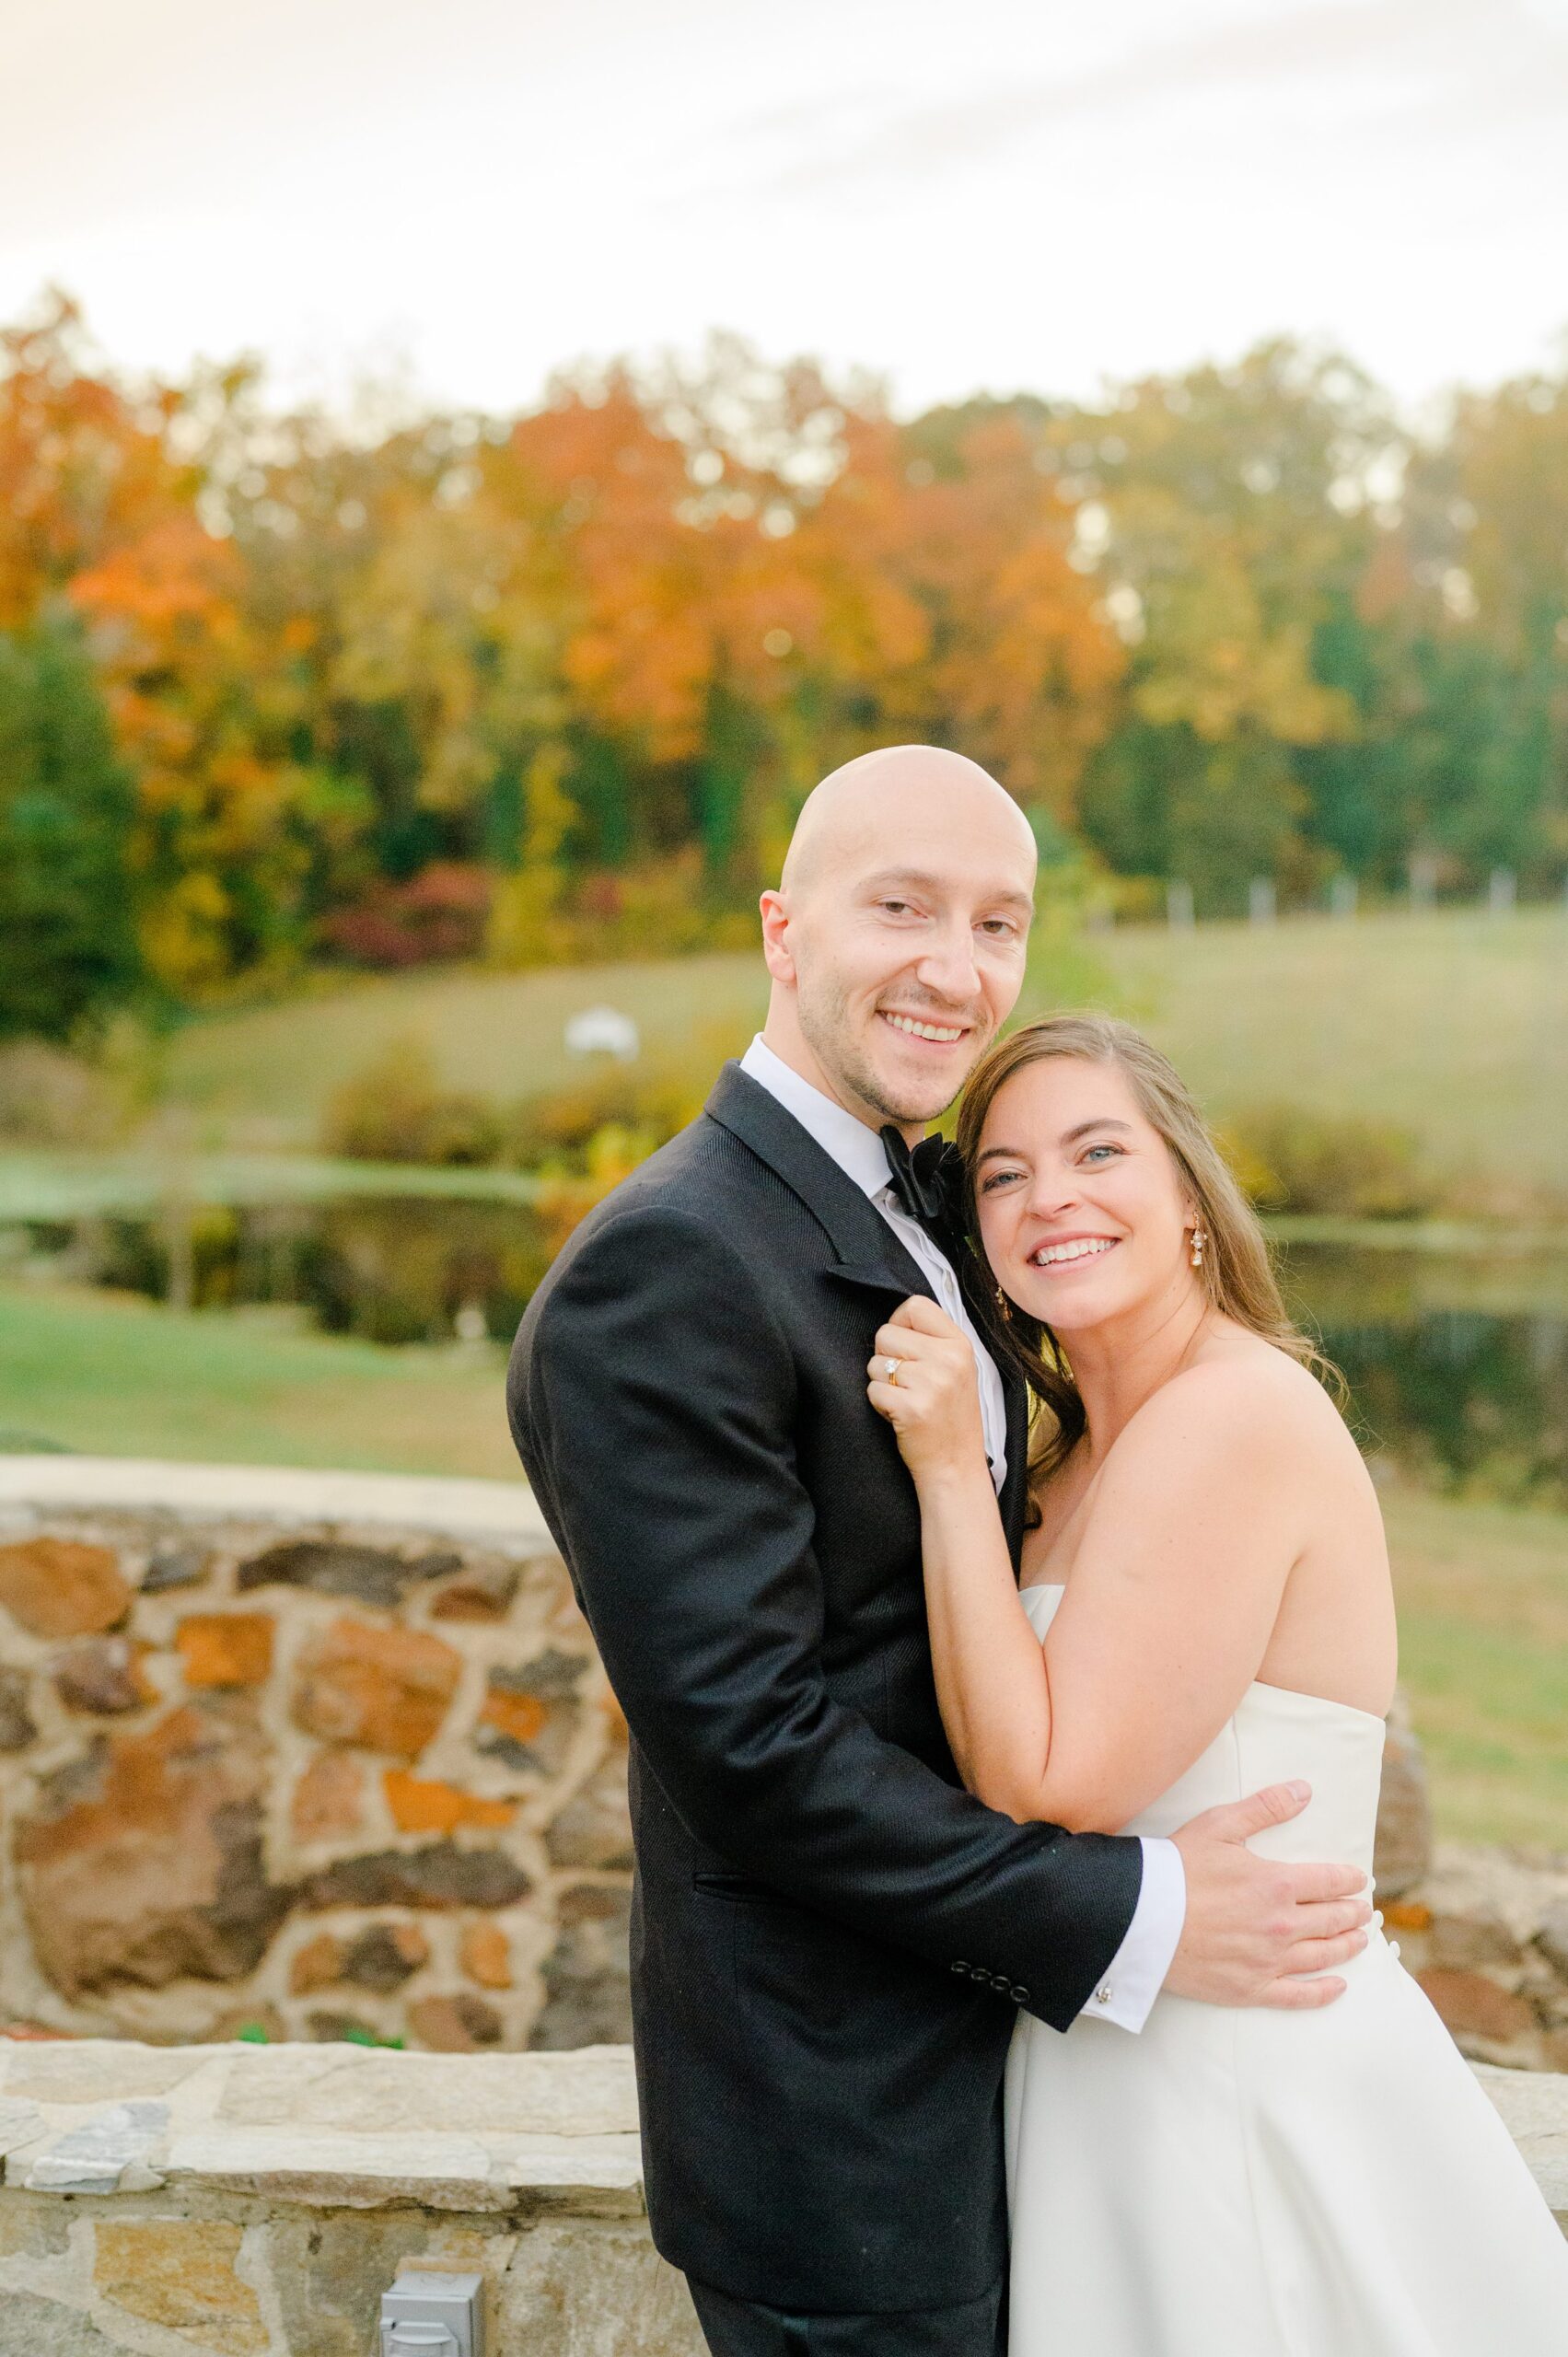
x: 338, y: 2126
x: 498, y: 1512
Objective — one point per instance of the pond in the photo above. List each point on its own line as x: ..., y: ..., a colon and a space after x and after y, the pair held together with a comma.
x: 1456, y: 1356
x: 1455, y: 1344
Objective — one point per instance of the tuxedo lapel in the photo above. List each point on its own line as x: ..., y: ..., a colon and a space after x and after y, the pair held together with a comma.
x: 867, y: 1251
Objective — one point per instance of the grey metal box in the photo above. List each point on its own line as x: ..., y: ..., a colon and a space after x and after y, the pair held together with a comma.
x: 434, y: 2315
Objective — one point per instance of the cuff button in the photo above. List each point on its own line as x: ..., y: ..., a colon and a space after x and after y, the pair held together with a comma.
x: 1102, y: 1996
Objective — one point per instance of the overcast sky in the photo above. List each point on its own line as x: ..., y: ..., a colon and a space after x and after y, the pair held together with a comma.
x: 982, y: 193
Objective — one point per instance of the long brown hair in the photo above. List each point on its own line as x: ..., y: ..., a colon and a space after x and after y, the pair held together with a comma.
x: 1237, y: 1274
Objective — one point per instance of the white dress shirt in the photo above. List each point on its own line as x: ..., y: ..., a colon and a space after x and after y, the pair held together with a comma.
x: 1134, y: 1976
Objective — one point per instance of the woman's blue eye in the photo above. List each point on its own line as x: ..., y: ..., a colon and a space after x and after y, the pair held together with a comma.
x: 998, y: 1178
x: 1101, y: 1149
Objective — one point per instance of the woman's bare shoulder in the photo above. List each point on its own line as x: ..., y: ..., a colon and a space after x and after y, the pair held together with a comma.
x: 1241, y: 1390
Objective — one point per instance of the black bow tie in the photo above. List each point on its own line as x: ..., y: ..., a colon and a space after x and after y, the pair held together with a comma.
x: 929, y: 1181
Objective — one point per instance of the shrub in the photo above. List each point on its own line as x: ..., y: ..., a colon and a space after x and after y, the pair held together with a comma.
x: 441, y: 912
x: 48, y: 1098
x: 1289, y: 1159
x: 644, y: 1109
x: 396, y: 1110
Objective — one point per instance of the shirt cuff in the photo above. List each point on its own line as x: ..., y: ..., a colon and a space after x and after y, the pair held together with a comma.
x: 1132, y: 1979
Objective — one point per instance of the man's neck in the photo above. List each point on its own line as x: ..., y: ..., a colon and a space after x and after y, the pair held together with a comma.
x: 792, y: 1048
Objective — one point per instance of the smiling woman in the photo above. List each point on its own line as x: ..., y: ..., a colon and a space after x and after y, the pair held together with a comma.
x: 1075, y: 1218
x: 1203, y: 1608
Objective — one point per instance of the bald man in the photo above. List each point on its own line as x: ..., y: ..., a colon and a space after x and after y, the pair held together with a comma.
x: 830, y: 1937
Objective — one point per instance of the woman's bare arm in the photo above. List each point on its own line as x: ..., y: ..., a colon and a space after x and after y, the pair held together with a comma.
x: 1175, y: 1587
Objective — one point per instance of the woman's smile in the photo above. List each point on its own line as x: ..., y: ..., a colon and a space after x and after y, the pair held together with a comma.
x: 1062, y: 1252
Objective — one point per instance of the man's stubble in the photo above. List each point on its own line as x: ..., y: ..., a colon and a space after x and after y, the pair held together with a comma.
x: 826, y: 1028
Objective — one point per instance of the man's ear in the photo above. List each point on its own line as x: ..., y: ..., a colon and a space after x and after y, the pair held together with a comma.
x: 776, y: 952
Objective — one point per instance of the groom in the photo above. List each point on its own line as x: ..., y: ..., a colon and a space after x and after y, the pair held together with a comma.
x: 830, y: 1937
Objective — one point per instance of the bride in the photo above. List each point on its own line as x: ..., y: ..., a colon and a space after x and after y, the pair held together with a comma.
x: 1205, y: 1607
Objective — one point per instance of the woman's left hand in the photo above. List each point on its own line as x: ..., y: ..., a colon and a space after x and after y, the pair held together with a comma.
x: 932, y: 1397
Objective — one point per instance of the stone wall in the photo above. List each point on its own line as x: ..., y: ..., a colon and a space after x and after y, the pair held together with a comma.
x: 330, y: 1756
x: 240, y: 2202
x: 327, y: 1756
x: 1486, y: 1934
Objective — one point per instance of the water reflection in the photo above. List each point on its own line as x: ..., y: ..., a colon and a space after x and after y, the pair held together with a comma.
x: 1457, y: 1363
x: 1458, y: 1360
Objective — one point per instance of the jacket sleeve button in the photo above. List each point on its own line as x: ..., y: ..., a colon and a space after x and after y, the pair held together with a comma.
x: 1018, y: 1994
x: 958, y: 1968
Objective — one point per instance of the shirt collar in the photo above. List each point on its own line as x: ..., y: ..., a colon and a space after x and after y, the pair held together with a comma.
x: 859, y: 1152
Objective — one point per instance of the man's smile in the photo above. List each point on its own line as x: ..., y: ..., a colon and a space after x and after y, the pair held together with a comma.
x: 915, y: 1026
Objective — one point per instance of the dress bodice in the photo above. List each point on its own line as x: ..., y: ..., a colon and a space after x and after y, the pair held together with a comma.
x: 1245, y: 2181
x: 1273, y: 1736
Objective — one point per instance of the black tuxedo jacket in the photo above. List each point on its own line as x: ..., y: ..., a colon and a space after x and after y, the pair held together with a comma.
x: 829, y: 1935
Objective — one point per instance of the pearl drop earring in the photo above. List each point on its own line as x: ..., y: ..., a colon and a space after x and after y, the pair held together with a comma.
x: 1198, y: 1240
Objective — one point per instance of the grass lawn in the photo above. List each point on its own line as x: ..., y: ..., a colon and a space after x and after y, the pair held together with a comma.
x: 1453, y: 1024
x: 115, y: 1375
x: 1483, y: 1656
x: 1483, y: 1591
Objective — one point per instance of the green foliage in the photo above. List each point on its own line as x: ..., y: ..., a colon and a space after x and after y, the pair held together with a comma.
x: 67, y: 941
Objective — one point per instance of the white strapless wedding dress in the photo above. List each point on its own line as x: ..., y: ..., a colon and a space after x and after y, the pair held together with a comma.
x: 1265, y: 2184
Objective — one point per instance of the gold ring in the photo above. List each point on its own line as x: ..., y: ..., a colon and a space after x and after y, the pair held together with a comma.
x: 892, y: 1366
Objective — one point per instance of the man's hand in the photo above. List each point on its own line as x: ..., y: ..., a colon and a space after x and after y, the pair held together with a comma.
x: 1255, y: 1924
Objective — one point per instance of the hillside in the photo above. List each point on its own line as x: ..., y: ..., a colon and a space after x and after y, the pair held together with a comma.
x: 1453, y: 1024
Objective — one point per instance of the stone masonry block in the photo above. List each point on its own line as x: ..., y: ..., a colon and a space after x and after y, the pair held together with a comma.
x: 595, y: 1826
x: 329, y: 1800
x: 461, y: 2023
x: 386, y: 1688
x: 18, y: 1726
x: 420, y: 1804
x: 485, y: 1956
x: 58, y: 1587
x: 181, y: 2273
x: 377, y: 1576
x: 225, y: 1648
x: 103, y: 1676
x: 438, y: 1874
x: 142, y: 1863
